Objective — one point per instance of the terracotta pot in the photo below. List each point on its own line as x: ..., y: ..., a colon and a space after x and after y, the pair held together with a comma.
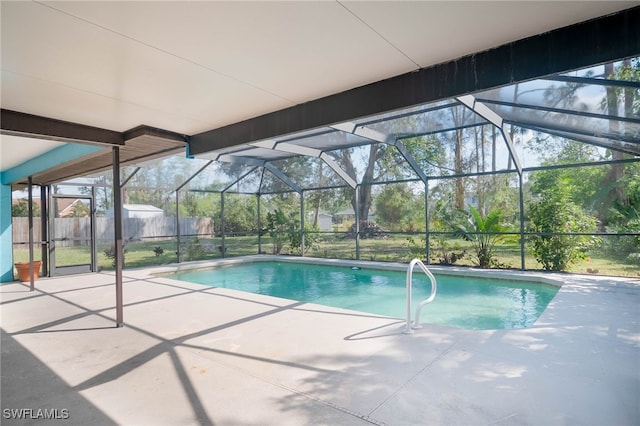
x: 23, y: 270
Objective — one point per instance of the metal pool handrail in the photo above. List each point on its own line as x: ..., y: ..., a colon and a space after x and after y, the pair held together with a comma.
x: 409, y: 327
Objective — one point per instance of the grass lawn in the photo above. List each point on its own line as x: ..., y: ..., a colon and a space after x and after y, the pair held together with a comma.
x: 393, y: 248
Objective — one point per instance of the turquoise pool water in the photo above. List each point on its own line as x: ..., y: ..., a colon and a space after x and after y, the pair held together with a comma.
x: 461, y: 301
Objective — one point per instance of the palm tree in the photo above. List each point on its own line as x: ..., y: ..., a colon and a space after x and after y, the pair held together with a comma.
x: 483, y: 233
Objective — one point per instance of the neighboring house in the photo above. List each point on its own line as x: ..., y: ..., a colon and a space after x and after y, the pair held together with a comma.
x: 325, y: 222
x: 66, y: 207
x: 141, y: 211
x: 346, y: 215
x: 470, y: 200
x: 349, y: 215
x: 138, y: 211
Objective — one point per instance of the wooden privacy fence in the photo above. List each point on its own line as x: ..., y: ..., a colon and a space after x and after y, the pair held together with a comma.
x: 133, y: 228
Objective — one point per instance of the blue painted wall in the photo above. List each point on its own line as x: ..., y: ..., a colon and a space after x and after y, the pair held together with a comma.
x: 6, y: 254
x: 49, y: 159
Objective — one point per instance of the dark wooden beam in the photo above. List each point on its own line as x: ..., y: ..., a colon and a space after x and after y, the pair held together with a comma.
x: 600, y: 40
x: 143, y: 130
x: 22, y: 124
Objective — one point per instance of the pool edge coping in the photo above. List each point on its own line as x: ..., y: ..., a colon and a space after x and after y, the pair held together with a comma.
x: 516, y: 275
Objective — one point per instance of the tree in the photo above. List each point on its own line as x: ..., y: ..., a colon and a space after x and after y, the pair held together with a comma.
x: 459, y: 198
x: 393, y: 203
x: 240, y: 213
x: 345, y: 159
x: 156, y: 183
x: 629, y: 99
x: 398, y: 207
x: 603, y: 191
x: 328, y: 199
x: 20, y: 208
x: 277, y: 228
x: 103, y: 185
x: 381, y: 161
x: 443, y: 217
x: 196, y: 204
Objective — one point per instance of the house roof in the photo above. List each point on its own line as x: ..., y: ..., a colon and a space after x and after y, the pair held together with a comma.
x: 141, y: 207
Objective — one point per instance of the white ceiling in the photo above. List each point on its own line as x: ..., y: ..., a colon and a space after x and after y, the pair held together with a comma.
x: 194, y: 66
x: 16, y: 150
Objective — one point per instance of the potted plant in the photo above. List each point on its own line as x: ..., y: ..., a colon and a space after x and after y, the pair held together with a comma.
x: 23, y: 270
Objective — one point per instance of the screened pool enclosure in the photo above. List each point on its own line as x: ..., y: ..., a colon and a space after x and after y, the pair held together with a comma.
x: 543, y: 174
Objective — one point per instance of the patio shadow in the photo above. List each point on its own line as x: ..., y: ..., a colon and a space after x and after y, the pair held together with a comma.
x: 22, y: 373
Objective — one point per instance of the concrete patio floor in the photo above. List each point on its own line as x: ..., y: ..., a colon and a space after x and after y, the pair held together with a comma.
x: 191, y: 354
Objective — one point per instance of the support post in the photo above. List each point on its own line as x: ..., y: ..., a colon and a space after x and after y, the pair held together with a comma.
x: 357, y: 212
x: 223, y: 248
x: 44, y: 245
x: 302, y: 223
x: 259, y: 227
x: 521, y: 222
x: 30, y: 210
x: 178, y: 226
x: 119, y: 247
x: 94, y: 232
x: 427, y: 238
x: 51, y: 214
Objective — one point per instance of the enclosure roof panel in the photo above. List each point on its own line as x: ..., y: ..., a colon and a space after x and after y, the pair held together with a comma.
x: 589, y: 107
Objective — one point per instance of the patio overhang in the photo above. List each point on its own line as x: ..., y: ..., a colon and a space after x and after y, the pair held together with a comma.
x: 140, y: 144
x: 86, y: 149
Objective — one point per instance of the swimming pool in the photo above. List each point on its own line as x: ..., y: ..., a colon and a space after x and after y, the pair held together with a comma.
x: 463, y: 301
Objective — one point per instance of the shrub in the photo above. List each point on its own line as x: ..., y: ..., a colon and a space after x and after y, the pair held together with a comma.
x: 440, y: 249
x: 556, y: 213
x: 195, y: 250
x: 295, y: 238
x: 110, y: 253
x: 277, y: 229
x: 444, y: 253
x: 625, y: 247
